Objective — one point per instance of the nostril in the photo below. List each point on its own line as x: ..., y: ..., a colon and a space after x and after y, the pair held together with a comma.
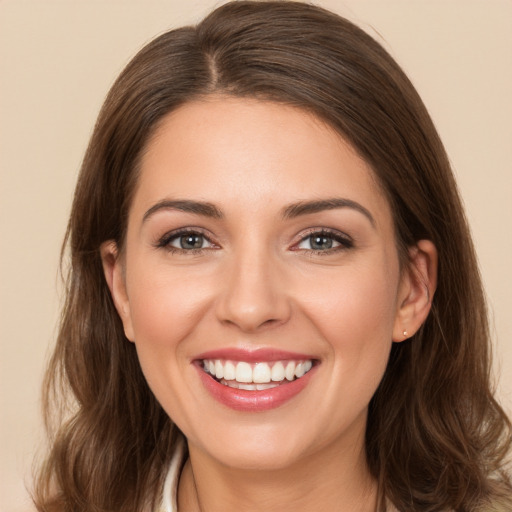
x: 247, y: 325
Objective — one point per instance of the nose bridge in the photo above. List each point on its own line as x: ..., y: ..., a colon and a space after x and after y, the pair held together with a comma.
x: 253, y: 295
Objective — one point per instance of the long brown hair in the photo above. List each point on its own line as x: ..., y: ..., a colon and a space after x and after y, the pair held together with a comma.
x: 436, y: 439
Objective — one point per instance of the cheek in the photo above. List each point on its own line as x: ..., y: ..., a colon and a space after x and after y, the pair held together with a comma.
x: 166, y: 305
x: 356, y: 304
x: 355, y: 315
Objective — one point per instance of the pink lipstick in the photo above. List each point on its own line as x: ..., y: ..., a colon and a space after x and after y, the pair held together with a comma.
x: 256, y: 380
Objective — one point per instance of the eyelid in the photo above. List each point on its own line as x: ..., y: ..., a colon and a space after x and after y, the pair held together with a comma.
x: 164, y: 242
x: 345, y: 241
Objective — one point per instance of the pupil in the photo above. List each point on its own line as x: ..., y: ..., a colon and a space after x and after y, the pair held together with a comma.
x: 321, y: 242
x: 191, y: 241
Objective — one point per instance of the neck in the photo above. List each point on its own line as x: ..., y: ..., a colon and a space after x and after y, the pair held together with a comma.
x: 337, y: 474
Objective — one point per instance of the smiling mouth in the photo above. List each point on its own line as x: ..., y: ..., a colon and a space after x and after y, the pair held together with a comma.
x: 257, y: 376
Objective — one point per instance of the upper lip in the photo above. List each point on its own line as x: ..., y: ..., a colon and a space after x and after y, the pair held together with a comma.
x: 253, y: 356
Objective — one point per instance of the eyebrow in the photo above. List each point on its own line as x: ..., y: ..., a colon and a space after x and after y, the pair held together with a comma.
x: 198, y: 207
x: 308, y: 207
x: 289, y: 212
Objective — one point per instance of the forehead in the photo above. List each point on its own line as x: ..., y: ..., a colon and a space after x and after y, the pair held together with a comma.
x: 261, y: 154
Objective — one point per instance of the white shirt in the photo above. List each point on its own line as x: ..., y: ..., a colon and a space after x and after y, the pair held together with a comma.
x: 170, y: 490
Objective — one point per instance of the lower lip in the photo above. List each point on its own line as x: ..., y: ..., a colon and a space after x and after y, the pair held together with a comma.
x: 254, y: 401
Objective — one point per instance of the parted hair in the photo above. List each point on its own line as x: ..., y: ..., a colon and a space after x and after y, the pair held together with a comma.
x: 436, y: 439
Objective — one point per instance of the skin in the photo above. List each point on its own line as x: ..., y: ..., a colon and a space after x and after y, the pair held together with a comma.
x: 256, y: 283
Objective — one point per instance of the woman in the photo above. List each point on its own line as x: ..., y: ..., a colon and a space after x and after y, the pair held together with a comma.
x: 273, y: 298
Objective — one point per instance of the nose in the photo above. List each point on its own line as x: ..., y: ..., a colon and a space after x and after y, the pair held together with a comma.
x: 254, y: 295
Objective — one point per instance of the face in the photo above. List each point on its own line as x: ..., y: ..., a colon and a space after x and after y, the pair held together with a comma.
x: 260, y: 281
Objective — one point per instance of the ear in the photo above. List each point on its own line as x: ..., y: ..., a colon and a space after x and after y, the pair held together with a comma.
x: 417, y: 287
x: 114, y: 275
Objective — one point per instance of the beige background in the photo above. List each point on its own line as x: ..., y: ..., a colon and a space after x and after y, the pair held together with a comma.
x: 57, y: 60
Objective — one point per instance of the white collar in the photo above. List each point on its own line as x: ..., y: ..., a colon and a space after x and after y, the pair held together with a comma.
x: 170, y: 490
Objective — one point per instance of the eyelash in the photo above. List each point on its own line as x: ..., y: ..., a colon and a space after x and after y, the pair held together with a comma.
x: 344, y: 241
x: 165, y: 241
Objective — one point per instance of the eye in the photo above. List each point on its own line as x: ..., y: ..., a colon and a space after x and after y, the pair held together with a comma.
x: 188, y: 241
x: 324, y: 241
x: 185, y: 241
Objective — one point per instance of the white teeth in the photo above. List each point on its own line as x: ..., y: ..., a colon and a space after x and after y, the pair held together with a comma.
x: 255, y: 376
x: 248, y: 387
x: 261, y: 387
x: 277, y: 372
x: 243, y: 372
x: 261, y: 373
x: 289, y: 372
x: 229, y: 371
x: 219, y: 370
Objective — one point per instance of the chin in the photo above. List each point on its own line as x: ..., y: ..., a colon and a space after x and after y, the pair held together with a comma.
x: 246, y: 448
x: 263, y: 457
